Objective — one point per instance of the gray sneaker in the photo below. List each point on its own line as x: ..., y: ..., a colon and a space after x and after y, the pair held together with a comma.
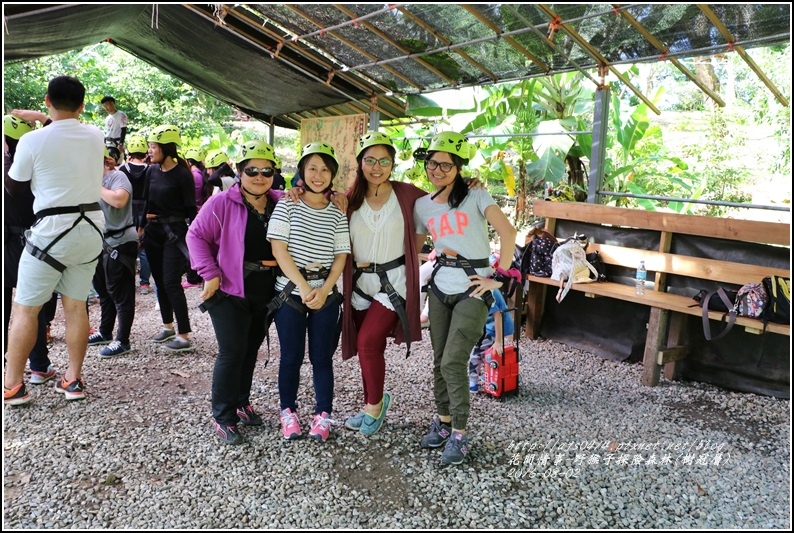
x: 438, y: 434
x: 456, y: 449
x: 164, y: 335
x: 178, y: 344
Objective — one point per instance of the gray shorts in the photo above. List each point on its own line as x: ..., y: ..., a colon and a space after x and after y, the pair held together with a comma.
x: 77, y: 250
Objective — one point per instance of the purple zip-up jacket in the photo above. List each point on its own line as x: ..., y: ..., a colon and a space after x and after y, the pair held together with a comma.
x: 216, y: 239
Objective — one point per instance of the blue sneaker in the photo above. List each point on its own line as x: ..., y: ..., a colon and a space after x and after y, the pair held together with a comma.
x: 371, y: 425
x: 113, y: 349
x: 97, y: 339
x: 438, y: 435
x: 354, y: 422
x: 474, y: 384
x: 456, y: 449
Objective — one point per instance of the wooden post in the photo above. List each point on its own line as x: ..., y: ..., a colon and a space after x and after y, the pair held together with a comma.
x: 657, y: 326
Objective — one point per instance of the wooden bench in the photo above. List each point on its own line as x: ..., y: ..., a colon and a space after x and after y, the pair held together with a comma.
x: 668, y: 310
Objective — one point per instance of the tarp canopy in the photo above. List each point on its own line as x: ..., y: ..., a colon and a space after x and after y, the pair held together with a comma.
x: 285, y: 62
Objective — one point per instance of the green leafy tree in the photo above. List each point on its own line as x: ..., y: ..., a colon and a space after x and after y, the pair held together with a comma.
x: 147, y: 95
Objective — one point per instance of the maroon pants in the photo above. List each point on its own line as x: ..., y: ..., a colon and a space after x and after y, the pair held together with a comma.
x: 373, y: 325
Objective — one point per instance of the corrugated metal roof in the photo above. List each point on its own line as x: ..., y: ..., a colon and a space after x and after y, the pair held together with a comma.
x: 290, y: 61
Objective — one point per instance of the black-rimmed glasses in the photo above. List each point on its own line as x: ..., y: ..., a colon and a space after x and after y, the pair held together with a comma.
x: 432, y: 165
x: 371, y: 161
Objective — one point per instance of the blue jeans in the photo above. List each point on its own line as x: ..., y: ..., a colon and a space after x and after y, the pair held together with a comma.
x: 240, y: 332
x: 145, y: 270
x: 322, y: 328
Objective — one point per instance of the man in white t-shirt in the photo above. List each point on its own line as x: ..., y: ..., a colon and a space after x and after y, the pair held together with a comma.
x: 62, y: 165
x: 115, y: 125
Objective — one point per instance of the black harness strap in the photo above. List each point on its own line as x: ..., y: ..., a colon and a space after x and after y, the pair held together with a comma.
x: 397, y: 301
x: 259, y: 266
x: 448, y: 258
x: 284, y: 297
x: 113, y: 253
x: 169, y: 232
x: 41, y: 254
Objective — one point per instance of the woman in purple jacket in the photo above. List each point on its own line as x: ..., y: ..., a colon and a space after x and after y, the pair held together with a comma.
x: 229, y: 250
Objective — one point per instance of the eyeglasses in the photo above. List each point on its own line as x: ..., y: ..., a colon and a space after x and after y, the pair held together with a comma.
x: 385, y: 162
x: 432, y: 165
x: 253, y: 171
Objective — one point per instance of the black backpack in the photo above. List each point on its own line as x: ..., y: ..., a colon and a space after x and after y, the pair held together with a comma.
x: 536, y: 259
x: 778, y: 308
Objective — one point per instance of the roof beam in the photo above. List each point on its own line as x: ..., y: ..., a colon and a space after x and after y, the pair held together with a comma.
x: 551, y: 44
x: 352, y: 45
x: 586, y: 46
x: 642, y: 30
x: 740, y: 50
x: 281, y: 39
x: 430, y: 29
x: 515, y: 44
x: 386, y: 38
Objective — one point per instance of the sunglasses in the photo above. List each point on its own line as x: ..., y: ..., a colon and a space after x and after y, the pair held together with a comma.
x: 253, y: 171
x: 371, y: 161
x: 432, y: 165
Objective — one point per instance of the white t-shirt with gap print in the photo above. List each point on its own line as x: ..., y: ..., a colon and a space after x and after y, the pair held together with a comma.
x: 463, y: 230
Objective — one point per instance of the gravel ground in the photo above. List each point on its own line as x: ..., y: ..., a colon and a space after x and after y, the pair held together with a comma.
x: 584, y: 445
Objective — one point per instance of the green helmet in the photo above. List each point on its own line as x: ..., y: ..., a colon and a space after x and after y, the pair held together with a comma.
x: 318, y: 148
x: 215, y: 158
x: 257, y: 150
x: 453, y: 143
x: 196, y: 154
x: 278, y: 162
x: 137, y: 144
x: 165, y: 134
x: 371, y: 138
x: 15, y: 127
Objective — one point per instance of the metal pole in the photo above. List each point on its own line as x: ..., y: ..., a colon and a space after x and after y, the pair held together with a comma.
x: 693, y: 201
x: 598, y: 151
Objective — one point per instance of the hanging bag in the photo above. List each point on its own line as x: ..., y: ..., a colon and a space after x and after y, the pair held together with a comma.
x: 569, y: 265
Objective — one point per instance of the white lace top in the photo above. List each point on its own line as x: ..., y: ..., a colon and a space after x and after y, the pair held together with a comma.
x: 378, y: 237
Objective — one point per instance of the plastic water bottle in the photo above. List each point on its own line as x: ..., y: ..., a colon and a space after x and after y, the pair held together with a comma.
x: 642, y: 274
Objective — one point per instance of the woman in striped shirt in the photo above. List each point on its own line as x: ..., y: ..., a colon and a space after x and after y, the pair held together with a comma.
x: 310, y: 242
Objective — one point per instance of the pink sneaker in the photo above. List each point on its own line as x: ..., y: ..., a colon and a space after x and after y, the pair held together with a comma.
x: 321, y: 427
x: 290, y: 425
x: 187, y: 285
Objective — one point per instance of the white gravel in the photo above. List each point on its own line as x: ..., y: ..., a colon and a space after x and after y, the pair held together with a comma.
x: 139, y: 452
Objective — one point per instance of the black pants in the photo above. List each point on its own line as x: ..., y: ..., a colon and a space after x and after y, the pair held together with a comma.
x: 240, y: 331
x: 168, y: 263
x: 114, y: 282
x: 39, y: 357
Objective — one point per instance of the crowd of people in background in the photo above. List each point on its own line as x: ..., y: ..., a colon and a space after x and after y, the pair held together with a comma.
x: 322, y: 265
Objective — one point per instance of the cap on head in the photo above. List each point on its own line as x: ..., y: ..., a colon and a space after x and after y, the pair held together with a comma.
x: 165, y: 134
x: 215, y: 158
x: 257, y: 149
x: 14, y: 127
x: 453, y: 143
x: 137, y: 145
x: 196, y: 154
x: 318, y: 148
x: 371, y: 138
